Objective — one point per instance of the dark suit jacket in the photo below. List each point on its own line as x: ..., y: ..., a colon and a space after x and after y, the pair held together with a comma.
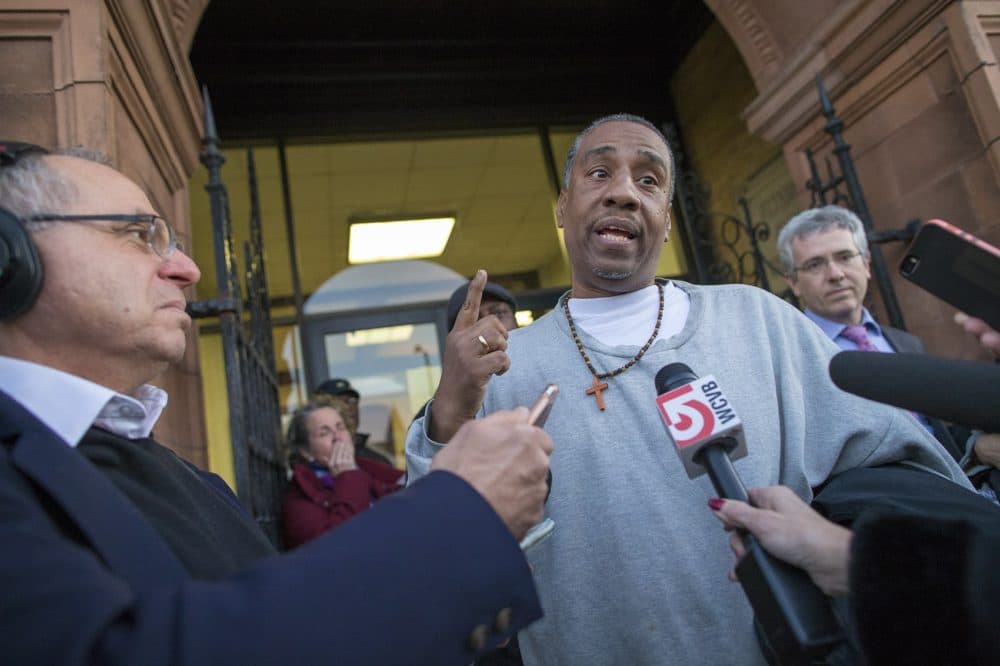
x: 952, y: 437
x: 924, y: 564
x: 84, y: 578
x: 902, y: 341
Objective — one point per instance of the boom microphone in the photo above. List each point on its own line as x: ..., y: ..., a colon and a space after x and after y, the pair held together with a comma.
x: 792, y: 611
x: 965, y: 392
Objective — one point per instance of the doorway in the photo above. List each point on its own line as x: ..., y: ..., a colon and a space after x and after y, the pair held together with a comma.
x: 382, y: 327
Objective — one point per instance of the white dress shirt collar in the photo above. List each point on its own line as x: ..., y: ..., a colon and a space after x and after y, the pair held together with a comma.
x: 69, y: 405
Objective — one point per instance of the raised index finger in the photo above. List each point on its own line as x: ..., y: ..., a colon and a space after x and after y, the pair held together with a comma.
x: 469, y: 314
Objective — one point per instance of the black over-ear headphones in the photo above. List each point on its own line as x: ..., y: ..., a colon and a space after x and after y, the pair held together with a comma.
x: 20, y: 267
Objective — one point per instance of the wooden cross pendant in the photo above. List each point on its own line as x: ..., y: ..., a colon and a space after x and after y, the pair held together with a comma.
x: 596, y: 390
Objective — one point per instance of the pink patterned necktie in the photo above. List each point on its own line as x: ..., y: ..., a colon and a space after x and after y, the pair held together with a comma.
x: 859, y: 336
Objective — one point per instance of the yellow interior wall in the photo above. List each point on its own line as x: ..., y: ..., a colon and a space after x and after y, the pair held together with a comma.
x: 671, y: 258
x: 220, y: 457
x: 710, y: 90
x: 213, y: 372
x: 556, y: 273
x: 213, y: 379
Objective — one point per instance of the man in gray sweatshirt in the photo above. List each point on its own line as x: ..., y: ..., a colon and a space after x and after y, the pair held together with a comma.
x: 631, y: 574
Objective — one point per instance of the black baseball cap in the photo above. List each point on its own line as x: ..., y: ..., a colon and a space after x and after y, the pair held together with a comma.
x: 10, y: 151
x: 491, y: 290
x: 337, y: 386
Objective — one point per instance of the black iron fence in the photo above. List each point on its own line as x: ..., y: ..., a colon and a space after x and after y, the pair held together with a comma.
x: 828, y: 192
x: 247, y: 345
x: 720, y: 248
x: 733, y: 253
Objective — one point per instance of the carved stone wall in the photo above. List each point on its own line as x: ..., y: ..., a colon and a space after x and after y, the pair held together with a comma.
x: 710, y: 89
x: 113, y: 75
x: 767, y: 33
x: 917, y: 86
x: 185, y: 15
x: 916, y: 83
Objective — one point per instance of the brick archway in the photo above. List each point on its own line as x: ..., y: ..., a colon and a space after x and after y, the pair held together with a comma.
x: 917, y: 86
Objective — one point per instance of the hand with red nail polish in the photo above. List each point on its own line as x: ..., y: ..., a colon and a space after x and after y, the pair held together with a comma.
x: 790, y: 529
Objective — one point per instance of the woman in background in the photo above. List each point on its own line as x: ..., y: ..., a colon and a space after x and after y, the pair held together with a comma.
x: 328, y: 484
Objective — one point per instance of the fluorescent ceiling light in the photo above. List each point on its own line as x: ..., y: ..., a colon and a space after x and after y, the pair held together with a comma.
x: 379, y: 336
x: 398, y: 239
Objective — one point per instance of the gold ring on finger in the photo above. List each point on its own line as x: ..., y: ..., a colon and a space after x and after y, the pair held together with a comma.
x: 485, y: 344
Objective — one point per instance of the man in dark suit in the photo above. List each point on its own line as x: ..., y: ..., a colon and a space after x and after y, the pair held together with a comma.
x: 115, y: 550
x: 824, y: 252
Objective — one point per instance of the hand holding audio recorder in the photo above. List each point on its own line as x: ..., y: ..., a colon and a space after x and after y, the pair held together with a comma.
x: 536, y: 417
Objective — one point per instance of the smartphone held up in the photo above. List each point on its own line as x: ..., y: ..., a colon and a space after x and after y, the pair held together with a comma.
x: 957, y: 267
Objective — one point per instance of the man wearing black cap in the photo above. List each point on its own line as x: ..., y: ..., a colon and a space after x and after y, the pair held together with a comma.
x: 341, y: 388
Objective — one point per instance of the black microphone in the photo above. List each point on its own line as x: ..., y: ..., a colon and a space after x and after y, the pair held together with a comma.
x: 965, y: 392
x: 793, y: 613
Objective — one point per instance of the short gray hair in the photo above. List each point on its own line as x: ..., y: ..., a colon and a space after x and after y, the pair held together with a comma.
x: 814, y: 221
x: 625, y: 118
x: 31, y: 186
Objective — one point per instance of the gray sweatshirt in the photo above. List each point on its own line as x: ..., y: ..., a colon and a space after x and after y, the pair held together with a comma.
x: 635, y: 571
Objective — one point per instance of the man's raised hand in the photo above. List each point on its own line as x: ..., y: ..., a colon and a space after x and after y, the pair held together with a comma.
x: 475, y: 350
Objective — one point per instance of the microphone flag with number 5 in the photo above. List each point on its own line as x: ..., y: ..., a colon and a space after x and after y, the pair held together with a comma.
x: 697, y: 413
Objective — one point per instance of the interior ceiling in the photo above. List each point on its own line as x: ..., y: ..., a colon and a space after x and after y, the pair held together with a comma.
x: 393, y: 107
x: 496, y: 185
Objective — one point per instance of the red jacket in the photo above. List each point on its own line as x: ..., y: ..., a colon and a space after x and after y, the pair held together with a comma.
x: 309, y: 508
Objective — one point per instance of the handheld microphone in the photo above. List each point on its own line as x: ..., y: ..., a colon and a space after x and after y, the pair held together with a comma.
x: 706, y: 432
x: 965, y: 392
x: 793, y: 613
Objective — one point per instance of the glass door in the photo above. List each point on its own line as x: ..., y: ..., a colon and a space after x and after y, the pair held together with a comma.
x: 392, y: 358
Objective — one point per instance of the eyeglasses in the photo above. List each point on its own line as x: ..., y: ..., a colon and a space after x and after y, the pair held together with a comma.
x: 152, y: 230
x: 818, y: 265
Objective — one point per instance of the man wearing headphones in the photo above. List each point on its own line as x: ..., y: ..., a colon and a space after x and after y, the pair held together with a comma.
x: 117, y: 550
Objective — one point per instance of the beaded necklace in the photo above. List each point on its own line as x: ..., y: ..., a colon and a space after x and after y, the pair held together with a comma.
x: 598, y: 386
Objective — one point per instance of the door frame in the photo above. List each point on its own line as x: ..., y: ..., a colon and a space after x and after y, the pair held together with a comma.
x: 317, y: 326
